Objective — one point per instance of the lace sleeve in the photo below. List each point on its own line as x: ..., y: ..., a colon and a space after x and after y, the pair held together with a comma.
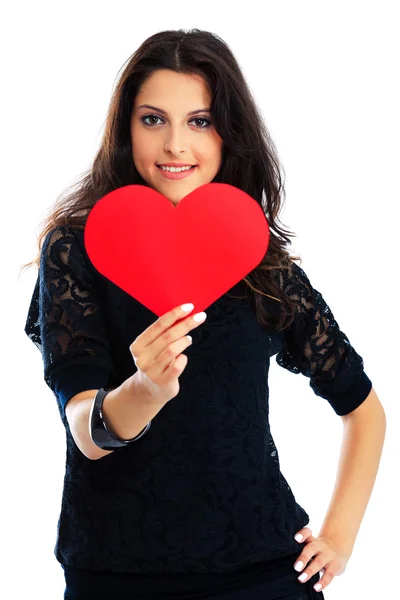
x: 65, y: 320
x: 315, y: 346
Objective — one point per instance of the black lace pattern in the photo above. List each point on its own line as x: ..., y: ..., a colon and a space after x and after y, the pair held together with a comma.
x: 315, y: 346
x: 65, y: 320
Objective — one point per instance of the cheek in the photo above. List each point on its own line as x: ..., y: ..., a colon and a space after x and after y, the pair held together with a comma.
x: 214, y: 149
x: 214, y: 158
x: 142, y: 153
x: 140, y: 143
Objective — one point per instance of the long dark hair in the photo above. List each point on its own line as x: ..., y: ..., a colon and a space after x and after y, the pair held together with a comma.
x: 249, y: 158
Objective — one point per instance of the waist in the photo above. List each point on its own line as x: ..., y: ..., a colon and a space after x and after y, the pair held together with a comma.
x: 278, y: 576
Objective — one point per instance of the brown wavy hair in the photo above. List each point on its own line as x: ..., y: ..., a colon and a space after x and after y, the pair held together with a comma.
x: 249, y: 158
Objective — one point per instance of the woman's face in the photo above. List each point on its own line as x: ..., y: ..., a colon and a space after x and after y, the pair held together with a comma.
x: 167, y: 133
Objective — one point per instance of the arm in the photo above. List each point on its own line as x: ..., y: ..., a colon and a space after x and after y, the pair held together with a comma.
x: 126, y: 412
x: 363, y: 437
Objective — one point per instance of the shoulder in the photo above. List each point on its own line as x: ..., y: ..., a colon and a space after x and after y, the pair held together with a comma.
x: 294, y: 282
x: 63, y: 251
x: 63, y: 234
x: 63, y: 243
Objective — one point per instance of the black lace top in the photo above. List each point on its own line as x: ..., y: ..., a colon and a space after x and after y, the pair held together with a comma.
x: 199, y: 498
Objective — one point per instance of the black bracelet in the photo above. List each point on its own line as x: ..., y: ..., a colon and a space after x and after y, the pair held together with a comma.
x: 99, y: 432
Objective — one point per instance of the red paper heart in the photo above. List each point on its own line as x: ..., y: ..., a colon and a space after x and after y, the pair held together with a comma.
x: 165, y: 255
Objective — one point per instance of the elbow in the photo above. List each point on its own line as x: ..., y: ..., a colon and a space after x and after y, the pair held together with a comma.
x: 78, y: 420
x: 370, y: 409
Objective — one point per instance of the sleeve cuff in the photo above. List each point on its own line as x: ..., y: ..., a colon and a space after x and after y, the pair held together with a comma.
x: 72, y: 381
x: 353, y: 396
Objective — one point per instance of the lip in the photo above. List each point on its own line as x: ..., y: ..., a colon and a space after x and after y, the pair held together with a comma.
x: 182, y: 175
x: 175, y: 164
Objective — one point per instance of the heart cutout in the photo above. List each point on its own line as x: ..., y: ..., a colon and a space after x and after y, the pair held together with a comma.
x: 165, y: 255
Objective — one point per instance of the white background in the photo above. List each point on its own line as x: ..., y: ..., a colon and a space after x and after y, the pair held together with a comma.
x: 325, y: 75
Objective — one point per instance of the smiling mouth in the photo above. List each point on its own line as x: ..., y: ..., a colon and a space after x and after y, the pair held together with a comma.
x: 160, y: 167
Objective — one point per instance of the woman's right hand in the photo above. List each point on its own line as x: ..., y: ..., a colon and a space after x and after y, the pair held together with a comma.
x: 157, y: 354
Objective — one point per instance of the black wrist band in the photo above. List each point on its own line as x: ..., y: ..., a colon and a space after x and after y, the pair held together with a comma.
x: 99, y: 433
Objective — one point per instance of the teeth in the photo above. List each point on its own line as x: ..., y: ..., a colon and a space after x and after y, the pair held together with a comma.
x: 175, y: 169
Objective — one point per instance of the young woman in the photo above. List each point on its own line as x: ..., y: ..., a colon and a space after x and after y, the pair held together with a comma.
x: 173, y: 486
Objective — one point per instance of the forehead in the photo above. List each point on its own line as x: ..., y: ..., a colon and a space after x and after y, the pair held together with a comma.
x: 174, y: 89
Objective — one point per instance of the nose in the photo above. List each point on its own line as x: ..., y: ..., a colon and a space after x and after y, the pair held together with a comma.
x: 175, y: 141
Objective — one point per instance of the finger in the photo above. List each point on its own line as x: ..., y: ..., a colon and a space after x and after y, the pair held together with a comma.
x: 308, y: 552
x: 174, y: 370
x: 168, y: 356
x: 325, y: 580
x: 175, y: 333
x: 305, y: 534
x: 316, y: 565
x: 160, y: 325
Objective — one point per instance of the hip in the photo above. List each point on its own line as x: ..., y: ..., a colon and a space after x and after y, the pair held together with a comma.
x: 80, y: 585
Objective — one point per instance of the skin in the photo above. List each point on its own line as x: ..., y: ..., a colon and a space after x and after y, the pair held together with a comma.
x: 364, y: 431
x: 175, y: 136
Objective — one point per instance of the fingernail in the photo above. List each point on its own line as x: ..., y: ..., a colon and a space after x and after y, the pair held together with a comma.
x: 187, y: 307
x: 199, y: 317
x: 298, y: 537
x: 303, y: 577
x: 317, y: 587
x: 299, y: 565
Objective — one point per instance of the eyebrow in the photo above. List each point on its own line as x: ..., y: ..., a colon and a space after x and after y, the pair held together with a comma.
x: 193, y: 112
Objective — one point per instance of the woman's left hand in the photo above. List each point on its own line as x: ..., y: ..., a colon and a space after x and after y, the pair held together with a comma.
x: 328, y: 557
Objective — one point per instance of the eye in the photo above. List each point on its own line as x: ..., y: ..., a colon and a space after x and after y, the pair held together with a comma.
x: 149, y: 117
x: 206, y: 121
